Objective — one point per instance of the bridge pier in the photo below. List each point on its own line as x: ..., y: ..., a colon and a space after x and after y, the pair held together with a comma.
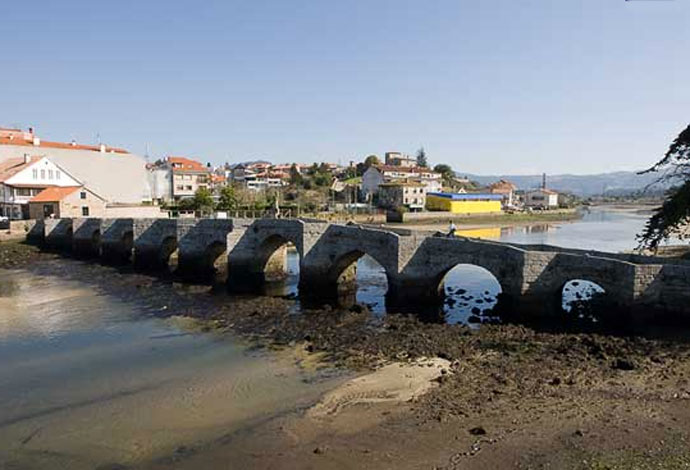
x: 117, y: 240
x: 203, y: 249
x: 155, y: 242
x: 86, y: 238
x: 258, y: 250
x: 58, y: 234
x: 36, y: 234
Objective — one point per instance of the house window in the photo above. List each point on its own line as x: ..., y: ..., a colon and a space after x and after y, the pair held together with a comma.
x: 189, y: 188
x: 82, y: 195
x: 57, y: 174
x: 84, y: 211
x: 50, y: 174
x: 34, y: 173
x: 43, y: 174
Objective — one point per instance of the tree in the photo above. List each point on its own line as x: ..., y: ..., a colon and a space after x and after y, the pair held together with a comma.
x: 295, y: 176
x: 228, y: 199
x: 203, y: 200
x: 371, y: 160
x: 445, y: 170
x: 421, y: 158
x: 673, y: 216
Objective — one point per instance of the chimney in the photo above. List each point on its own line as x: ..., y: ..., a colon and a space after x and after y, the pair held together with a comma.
x: 543, y: 181
x: 102, y: 148
x: 27, y: 158
x: 73, y: 143
x: 36, y: 141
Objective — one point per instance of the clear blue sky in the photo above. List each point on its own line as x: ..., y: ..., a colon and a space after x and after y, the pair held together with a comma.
x: 488, y: 86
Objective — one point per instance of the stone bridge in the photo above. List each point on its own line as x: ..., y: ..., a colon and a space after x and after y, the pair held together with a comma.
x: 249, y: 253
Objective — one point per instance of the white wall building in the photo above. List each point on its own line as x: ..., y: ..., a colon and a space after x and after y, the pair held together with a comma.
x: 376, y: 175
x: 541, y: 198
x: 23, y: 178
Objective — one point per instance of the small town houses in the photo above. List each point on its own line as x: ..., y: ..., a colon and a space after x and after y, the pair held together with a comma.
x: 41, y: 179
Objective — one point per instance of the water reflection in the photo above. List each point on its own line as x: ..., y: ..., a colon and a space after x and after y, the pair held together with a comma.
x: 82, y: 366
x: 579, y: 297
x: 471, y: 292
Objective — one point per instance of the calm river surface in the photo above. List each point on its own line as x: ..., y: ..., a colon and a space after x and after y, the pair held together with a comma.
x: 90, y: 379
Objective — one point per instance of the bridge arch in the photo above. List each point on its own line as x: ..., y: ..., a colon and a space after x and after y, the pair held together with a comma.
x: 215, y: 255
x: 168, y: 253
x: 555, y: 270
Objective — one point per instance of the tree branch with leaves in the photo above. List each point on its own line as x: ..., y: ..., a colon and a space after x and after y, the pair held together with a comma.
x: 672, y: 218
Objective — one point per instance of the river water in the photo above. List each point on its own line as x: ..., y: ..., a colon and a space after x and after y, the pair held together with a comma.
x: 92, y: 379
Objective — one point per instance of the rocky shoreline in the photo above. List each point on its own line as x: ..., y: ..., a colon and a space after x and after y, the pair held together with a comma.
x: 573, y: 399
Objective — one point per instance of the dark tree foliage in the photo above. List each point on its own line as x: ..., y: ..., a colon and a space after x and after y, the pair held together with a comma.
x: 671, y: 219
x: 421, y: 158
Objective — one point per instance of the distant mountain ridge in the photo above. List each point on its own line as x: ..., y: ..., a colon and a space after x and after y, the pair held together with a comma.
x: 618, y: 182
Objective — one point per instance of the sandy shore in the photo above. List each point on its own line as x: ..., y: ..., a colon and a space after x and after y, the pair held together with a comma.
x: 512, y: 396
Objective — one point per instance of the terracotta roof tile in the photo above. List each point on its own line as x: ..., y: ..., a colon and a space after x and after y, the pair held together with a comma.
x: 12, y: 166
x: 59, y: 145
x: 54, y: 194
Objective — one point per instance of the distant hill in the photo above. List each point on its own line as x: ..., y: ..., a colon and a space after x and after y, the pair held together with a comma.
x: 619, y: 182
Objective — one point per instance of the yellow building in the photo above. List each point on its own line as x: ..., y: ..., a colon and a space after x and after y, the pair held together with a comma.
x: 464, y: 203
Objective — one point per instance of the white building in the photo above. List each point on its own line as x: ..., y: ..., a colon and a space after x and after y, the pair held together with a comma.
x: 379, y: 174
x: 114, y: 173
x: 541, y: 199
x: 23, y: 178
x: 398, y: 159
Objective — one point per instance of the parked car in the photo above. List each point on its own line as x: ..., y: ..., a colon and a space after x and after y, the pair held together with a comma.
x: 4, y: 222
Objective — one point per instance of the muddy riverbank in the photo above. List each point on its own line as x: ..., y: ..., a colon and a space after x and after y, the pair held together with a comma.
x: 510, y: 396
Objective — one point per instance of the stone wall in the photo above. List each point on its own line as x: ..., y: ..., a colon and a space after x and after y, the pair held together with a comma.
x: 203, y: 248
x: 532, y: 277
x: 86, y: 237
x: 117, y: 240
x: 155, y: 240
x: 57, y: 234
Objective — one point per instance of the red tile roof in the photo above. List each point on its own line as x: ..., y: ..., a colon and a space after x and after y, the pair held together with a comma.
x: 186, y: 164
x: 59, y: 145
x: 54, y: 194
x: 12, y: 166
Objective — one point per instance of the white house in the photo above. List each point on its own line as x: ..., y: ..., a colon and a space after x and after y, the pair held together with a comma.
x: 23, y: 178
x: 379, y: 174
x: 541, y: 198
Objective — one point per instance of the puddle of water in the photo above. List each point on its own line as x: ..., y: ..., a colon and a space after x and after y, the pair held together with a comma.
x: 89, y: 379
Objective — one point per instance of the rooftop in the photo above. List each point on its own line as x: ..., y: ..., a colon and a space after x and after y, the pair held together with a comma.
x: 12, y: 166
x: 54, y: 194
x: 405, y: 169
x: 186, y: 164
x: 18, y: 137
